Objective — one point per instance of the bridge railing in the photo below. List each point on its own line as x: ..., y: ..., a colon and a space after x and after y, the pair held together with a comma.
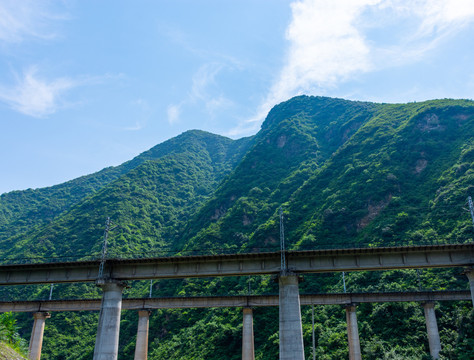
x: 170, y: 252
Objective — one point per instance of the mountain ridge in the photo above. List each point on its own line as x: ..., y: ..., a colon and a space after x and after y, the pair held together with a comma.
x: 222, y: 154
x: 344, y: 173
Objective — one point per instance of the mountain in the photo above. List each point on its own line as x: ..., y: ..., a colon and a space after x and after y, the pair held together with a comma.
x: 149, y: 196
x: 347, y: 173
x: 344, y: 173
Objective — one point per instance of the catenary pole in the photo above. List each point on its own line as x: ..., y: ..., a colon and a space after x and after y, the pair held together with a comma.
x: 471, y: 208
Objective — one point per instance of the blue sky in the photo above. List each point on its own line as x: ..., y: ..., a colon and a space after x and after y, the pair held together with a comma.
x: 87, y: 84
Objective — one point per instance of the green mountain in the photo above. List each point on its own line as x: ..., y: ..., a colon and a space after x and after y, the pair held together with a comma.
x: 345, y: 174
x: 150, y: 197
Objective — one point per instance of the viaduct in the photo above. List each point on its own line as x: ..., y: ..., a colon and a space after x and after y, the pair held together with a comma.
x: 296, y: 263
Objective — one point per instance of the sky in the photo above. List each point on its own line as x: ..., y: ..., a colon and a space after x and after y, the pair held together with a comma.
x: 87, y: 84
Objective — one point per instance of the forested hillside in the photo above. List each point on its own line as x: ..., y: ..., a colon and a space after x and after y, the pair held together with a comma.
x: 345, y: 173
x: 349, y: 174
x: 149, y: 197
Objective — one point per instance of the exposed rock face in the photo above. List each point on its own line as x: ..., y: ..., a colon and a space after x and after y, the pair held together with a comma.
x: 281, y: 141
x: 420, y: 165
x: 430, y: 122
x: 246, y: 220
x: 374, y: 210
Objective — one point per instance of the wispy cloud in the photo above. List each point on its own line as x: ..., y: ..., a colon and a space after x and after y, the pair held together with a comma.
x: 187, y: 42
x: 27, y: 19
x: 39, y: 97
x: 330, y: 42
x: 136, y: 127
x: 204, y: 92
x: 325, y: 45
x: 432, y: 23
x: 437, y: 16
x: 205, y: 79
x: 32, y: 93
x: 173, y: 111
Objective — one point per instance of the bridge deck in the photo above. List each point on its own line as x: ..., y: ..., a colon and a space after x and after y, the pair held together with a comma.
x: 233, y: 301
x: 242, y: 264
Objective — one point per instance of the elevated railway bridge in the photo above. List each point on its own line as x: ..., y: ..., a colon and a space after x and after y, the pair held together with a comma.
x: 115, y: 273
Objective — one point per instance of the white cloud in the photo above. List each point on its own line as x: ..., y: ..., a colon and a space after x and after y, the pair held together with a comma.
x: 251, y: 125
x: 437, y: 16
x: 136, y: 127
x: 432, y: 23
x: 35, y: 96
x: 330, y: 42
x: 174, y: 112
x: 325, y: 45
x: 216, y: 104
x: 25, y: 19
x: 204, y: 92
x: 202, y: 79
x: 205, y: 86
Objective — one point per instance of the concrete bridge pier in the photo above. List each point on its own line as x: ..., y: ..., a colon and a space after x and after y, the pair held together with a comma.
x: 36, y: 341
x: 353, y: 333
x: 291, y: 332
x: 107, y: 340
x: 432, y: 329
x: 470, y: 276
x: 141, y: 348
x: 248, y: 348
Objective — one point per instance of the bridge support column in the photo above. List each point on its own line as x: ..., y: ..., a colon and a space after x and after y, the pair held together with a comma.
x: 107, y: 340
x: 36, y: 341
x: 291, y: 332
x: 141, y: 348
x: 432, y: 329
x: 470, y: 276
x: 248, y: 349
x: 353, y: 333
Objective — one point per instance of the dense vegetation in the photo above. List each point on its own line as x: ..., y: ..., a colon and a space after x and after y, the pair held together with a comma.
x: 12, y: 345
x: 346, y: 174
x: 150, y: 200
